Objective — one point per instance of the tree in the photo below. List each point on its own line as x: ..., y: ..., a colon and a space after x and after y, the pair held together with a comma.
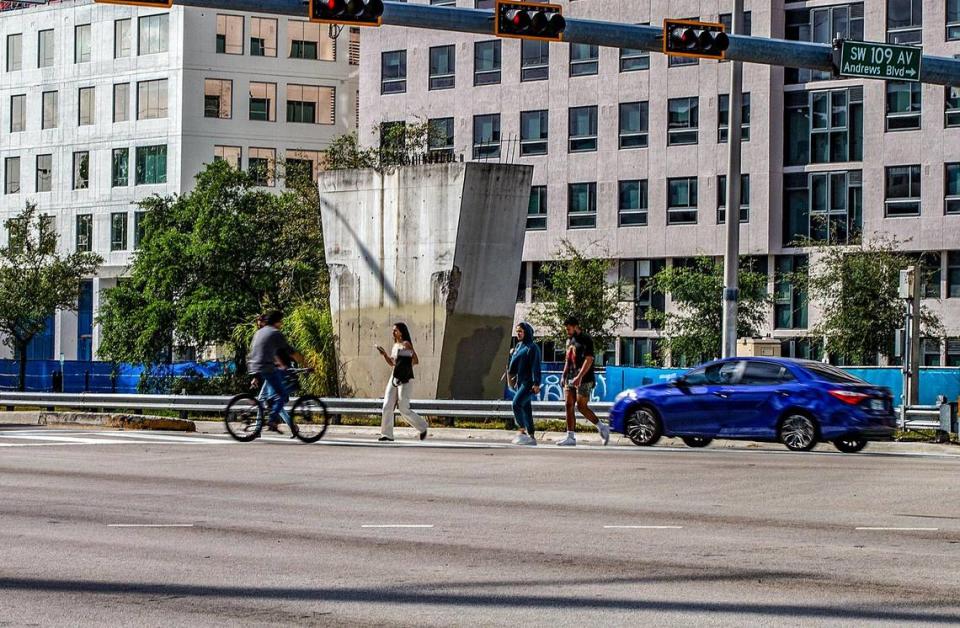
x: 401, y: 143
x: 857, y: 290
x: 694, y: 331
x: 36, y: 280
x: 575, y: 285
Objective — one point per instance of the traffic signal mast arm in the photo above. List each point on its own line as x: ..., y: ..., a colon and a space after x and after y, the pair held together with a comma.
x: 749, y: 49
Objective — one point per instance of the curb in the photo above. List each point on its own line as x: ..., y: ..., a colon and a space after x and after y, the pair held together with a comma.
x: 119, y: 421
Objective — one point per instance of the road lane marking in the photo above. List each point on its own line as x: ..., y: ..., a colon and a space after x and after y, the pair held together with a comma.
x: 881, y: 529
x: 396, y: 525
x: 149, y: 525
x: 643, y: 527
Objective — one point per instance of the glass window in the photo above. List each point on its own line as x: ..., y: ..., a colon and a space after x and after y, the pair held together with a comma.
x: 486, y: 62
x: 311, y: 104
x: 764, y: 374
x: 953, y: 19
x: 14, y: 52
x: 18, y: 113
x: 904, y: 21
x: 87, y: 106
x: 84, y: 232
x: 263, y: 37
x: 81, y: 170
x: 230, y: 34
x: 638, y: 352
x: 81, y: 43
x: 747, y: 27
x: 304, y: 165
x: 118, y: 231
x: 537, y: 209
x: 261, y: 164
x: 682, y: 201
x: 44, y: 173
x: 824, y: 206
x: 230, y: 154
x: 393, y: 72
x: 903, y: 191
x: 443, y: 67
x: 309, y: 41
x: 45, y: 49
x: 441, y: 140
x: 633, y: 203
x: 484, y: 4
x: 122, y: 38
x: 153, y: 34
x: 534, y: 60
x: 823, y: 126
x: 952, y: 188
x: 50, y: 109
x: 903, y: 105
x: 139, y: 228
x: 820, y: 25
x: 584, y: 59
x: 534, y: 128
x: 632, y: 60
x: 723, y: 104
x: 486, y: 136
x: 11, y: 175
x: 151, y: 165
x: 790, y: 301
x: 121, y: 102
x: 722, y: 198
x: 217, y: 98
x: 952, y: 107
x: 634, y: 121
x: 263, y: 102
x: 582, y: 206
x: 120, y: 168
x: 953, y: 274
x: 583, y: 129
x: 152, y: 99
x: 683, y: 118
x: 636, y: 287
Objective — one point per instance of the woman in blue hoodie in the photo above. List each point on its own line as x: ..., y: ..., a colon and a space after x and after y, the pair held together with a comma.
x: 525, y: 365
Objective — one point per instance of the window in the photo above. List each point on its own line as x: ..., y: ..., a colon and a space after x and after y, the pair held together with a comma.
x: 584, y: 59
x: 826, y: 207
x: 820, y: 25
x: 18, y: 113
x: 441, y: 137
x: 930, y: 351
x: 263, y: 102
x: 81, y: 170
x: 638, y: 352
x: 50, y: 108
x: 952, y: 107
x: 823, y: 126
x: 139, y: 228
x: 904, y: 21
x: 747, y: 27
x: 634, y: 121
x: 151, y: 165
x: 87, y: 106
x: 953, y: 274
x: 764, y: 374
x: 45, y: 49
x: 120, y: 168
x: 308, y: 41
x: 633, y: 203
x: 118, y: 231
x: 636, y: 287
x: 153, y: 34
x: 952, y: 188
x: 583, y: 129
x: 486, y: 136
x: 534, y: 60
x: 537, y: 209
x: 311, y: 104
x: 723, y: 104
x: 230, y: 34
x: 393, y: 72
x: 152, y: 99
x: 486, y: 62
x: 930, y: 264
x: 682, y: 201
x: 443, y: 68
x: 534, y: 129
x: 84, y: 232
x: 722, y: 198
x: 444, y: 3
x: 903, y: 105
x: 230, y: 154
x: 353, y: 56
x: 953, y: 19
x: 582, y: 206
x: 632, y: 60
x: 122, y: 38
x: 217, y: 98
x: 903, y: 191
x: 522, y: 284
x: 11, y: 175
x: 262, y: 165
x: 483, y: 4
x: 121, y: 102
x: 790, y: 301
x: 304, y: 165
x: 81, y: 43
x: 263, y: 37
x: 14, y: 52
x: 683, y: 116
x: 44, y: 173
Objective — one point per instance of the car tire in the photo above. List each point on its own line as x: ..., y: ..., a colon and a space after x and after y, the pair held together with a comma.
x: 642, y: 426
x: 696, y: 441
x: 850, y: 445
x: 799, y: 431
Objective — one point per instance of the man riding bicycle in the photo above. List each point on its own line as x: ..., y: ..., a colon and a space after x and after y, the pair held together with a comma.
x: 270, y: 348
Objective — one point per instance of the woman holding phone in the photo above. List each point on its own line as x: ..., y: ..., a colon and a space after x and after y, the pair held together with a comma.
x: 401, y: 358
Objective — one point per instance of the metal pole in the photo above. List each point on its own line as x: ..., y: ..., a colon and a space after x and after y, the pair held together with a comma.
x: 731, y: 259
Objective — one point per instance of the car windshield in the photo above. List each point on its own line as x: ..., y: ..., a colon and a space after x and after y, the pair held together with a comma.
x: 831, y: 374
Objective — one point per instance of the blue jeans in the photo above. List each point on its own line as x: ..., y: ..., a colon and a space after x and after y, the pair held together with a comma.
x: 274, y: 394
x: 523, y: 407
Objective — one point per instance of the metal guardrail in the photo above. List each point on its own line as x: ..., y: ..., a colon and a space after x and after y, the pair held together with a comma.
x: 936, y: 417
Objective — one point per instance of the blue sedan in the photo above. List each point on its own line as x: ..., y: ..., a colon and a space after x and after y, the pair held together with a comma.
x: 796, y: 402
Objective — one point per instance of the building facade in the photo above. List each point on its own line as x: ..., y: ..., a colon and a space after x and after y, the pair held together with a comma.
x: 629, y: 148
x: 104, y: 105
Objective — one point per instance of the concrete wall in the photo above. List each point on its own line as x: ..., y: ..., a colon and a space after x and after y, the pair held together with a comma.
x: 437, y: 247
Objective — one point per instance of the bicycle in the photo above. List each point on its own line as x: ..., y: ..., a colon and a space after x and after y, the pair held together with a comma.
x: 244, y: 415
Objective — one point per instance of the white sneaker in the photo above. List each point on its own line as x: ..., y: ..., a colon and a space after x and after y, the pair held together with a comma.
x: 569, y: 441
x: 604, y: 431
x: 518, y: 439
x: 529, y: 441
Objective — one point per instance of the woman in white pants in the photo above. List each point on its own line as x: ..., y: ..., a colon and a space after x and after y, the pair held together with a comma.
x: 402, y: 359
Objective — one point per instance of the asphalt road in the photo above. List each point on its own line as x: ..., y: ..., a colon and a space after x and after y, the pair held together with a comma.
x: 114, y: 528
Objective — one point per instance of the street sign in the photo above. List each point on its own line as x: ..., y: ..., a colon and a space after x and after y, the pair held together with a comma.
x: 882, y: 61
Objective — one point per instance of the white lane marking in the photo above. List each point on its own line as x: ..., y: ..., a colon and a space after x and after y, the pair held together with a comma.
x: 881, y: 529
x: 149, y: 525
x: 396, y: 525
x: 643, y: 527
x: 65, y: 439
x: 167, y: 438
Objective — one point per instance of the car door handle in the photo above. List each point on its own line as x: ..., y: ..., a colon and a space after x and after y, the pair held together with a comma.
x: 783, y: 393
x: 722, y: 395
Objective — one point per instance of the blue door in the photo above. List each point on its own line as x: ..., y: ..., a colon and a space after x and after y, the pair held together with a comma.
x: 756, y: 400
x: 697, y: 405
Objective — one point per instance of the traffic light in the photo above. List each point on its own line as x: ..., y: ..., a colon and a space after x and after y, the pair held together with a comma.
x: 351, y: 12
x: 529, y: 20
x: 156, y: 4
x: 688, y: 38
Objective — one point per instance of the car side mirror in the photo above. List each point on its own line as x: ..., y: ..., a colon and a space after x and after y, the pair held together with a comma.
x: 680, y: 382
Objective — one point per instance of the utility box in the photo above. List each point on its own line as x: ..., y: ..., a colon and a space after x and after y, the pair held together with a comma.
x: 758, y: 348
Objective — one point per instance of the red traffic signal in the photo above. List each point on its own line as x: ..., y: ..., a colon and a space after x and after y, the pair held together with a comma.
x: 351, y: 12
x: 157, y: 4
x: 529, y: 20
x: 688, y: 38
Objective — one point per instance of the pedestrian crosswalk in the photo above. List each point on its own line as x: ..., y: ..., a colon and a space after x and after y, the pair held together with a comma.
x: 57, y: 437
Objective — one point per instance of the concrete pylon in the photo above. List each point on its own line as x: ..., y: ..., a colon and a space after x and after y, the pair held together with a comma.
x: 435, y: 246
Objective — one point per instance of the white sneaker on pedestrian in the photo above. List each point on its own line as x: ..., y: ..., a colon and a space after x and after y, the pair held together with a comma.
x: 518, y: 439
x: 569, y: 441
x: 529, y: 441
x: 604, y: 432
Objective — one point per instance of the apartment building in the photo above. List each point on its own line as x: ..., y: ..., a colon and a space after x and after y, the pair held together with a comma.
x: 104, y: 105
x: 629, y: 148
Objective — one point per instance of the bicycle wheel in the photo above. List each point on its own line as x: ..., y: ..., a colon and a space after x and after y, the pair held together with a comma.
x: 244, y: 418
x: 310, y: 419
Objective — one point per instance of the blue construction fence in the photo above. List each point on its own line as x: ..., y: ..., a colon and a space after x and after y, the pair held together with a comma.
x: 101, y: 377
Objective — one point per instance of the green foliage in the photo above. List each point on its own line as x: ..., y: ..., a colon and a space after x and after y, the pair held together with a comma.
x: 694, y: 331
x: 36, y: 280
x: 575, y: 285
x: 400, y: 144
x: 309, y: 328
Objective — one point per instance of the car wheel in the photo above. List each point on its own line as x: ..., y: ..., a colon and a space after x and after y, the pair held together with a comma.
x: 643, y: 426
x: 850, y: 445
x: 798, y: 432
x: 696, y: 441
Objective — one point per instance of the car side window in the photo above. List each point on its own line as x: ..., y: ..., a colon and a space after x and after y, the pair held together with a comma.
x: 696, y: 377
x: 714, y: 374
x: 765, y: 374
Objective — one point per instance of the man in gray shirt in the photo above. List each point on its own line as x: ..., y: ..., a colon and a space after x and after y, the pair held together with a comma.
x: 269, y: 346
